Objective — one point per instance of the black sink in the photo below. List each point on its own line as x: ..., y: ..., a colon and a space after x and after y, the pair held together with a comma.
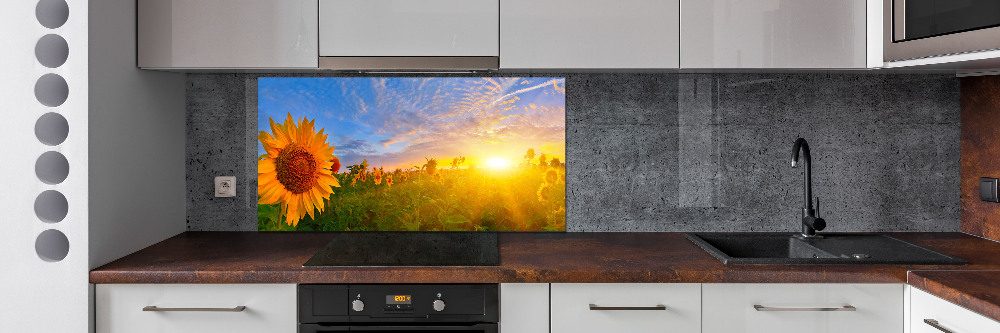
x: 787, y: 248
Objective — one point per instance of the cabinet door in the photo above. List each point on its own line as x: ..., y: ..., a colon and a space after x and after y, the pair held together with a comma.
x: 409, y: 28
x: 524, y: 308
x: 773, y: 34
x: 802, y: 308
x: 951, y: 317
x: 626, y: 307
x: 269, y: 308
x: 227, y: 34
x: 589, y: 34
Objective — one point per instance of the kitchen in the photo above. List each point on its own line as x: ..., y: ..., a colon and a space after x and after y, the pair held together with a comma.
x: 686, y: 127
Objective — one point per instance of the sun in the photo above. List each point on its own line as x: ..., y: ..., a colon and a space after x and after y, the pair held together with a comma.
x: 498, y: 163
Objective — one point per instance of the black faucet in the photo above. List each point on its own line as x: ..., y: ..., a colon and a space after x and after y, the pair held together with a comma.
x: 810, y: 222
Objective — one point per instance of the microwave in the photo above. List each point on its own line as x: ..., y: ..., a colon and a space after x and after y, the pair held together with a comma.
x: 916, y: 29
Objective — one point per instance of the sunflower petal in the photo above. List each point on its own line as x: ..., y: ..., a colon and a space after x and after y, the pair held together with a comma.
x: 265, y: 167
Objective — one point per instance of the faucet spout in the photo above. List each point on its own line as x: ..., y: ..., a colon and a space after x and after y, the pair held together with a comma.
x: 810, y: 222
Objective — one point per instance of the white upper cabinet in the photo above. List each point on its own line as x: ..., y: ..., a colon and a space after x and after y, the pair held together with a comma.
x: 409, y: 28
x: 589, y: 34
x: 778, y: 33
x: 227, y: 34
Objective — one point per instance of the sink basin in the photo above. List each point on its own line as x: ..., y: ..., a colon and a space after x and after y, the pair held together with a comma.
x: 786, y: 248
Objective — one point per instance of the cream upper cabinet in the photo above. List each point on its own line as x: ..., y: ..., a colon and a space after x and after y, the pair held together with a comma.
x: 930, y: 314
x: 409, y: 28
x: 227, y: 34
x: 802, y: 308
x: 780, y: 33
x: 570, y: 34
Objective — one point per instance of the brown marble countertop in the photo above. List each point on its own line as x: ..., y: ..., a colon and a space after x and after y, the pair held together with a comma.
x: 978, y: 291
x: 275, y: 257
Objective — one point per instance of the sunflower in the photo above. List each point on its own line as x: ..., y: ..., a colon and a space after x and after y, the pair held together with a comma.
x: 295, y: 172
x: 336, y: 165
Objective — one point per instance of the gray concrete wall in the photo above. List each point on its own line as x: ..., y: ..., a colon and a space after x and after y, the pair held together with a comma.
x: 683, y: 152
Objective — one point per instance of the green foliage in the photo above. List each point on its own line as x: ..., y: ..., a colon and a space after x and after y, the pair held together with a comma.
x: 454, y: 200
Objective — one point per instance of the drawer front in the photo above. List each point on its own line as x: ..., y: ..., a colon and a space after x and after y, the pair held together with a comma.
x: 572, y: 311
x: 949, y: 316
x: 269, y: 308
x: 730, y: 308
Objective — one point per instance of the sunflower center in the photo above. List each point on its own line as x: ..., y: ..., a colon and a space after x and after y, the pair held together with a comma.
x: 296, y: 169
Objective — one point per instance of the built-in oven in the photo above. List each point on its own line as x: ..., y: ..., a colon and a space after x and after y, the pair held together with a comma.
x: 927, y: 28
x: 388, y: 308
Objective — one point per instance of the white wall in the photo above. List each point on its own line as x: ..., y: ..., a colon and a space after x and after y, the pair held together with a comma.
x: 137, y: 126
x: 37, y: 295
x: 125, y: 127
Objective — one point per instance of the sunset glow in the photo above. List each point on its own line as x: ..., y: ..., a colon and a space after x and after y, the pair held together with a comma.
x: 399, y: 122
x: 498, y: 163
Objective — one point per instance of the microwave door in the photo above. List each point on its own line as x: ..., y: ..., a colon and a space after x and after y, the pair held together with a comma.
x: 916, y: 19
x: 914, y: 29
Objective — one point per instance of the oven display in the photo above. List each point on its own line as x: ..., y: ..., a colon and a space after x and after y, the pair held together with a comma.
x: 397, y: 299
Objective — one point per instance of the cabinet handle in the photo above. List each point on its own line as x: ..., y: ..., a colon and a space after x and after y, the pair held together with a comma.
x: 935, y: 324
x: 630, y: 308
x: 759, y: 307
x: 233, y: 309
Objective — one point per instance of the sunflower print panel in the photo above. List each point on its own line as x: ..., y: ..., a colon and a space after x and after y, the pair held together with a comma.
x: 411, y: 154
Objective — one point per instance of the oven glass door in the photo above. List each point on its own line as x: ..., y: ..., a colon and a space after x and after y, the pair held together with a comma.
x: 930, y: 18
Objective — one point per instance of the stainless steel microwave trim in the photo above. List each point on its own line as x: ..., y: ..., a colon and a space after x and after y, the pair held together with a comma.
x: 962, y: 42
x: 898, y: 19
x: 410, y: 63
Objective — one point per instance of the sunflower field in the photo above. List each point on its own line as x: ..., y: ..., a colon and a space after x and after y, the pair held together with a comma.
x: 301, y: 188
x: 525, y: 198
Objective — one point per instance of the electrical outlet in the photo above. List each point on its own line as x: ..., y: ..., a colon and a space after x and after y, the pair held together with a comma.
x: 225, y: 186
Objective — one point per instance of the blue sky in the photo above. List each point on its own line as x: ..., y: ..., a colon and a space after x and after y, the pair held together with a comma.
x: 397, y: 122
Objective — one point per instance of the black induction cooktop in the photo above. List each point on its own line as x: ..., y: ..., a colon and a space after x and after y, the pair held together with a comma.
x: 434, y: 248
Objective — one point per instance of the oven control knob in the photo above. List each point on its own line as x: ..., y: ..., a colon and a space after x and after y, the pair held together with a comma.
x: 438, y: 305
x: 358, y: 305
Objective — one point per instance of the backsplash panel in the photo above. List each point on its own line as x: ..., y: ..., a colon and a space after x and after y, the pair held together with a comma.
x: 980, y: 153
x: 683, y: 152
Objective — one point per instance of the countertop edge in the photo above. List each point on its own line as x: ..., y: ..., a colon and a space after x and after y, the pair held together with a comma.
x: 931, y: 282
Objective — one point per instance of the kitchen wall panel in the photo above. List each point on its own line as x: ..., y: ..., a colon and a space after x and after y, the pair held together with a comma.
x: 683, y: 152
x: 980, y: 153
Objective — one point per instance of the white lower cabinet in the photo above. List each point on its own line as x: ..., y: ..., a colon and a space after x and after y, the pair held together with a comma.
x: 802, y: 308
x: 524, y: 308
x: 196, y: 308
x: 930, y: 314
x: 626, y: 307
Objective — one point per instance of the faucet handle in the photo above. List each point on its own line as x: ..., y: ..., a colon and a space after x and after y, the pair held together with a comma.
x: 817, y: 206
